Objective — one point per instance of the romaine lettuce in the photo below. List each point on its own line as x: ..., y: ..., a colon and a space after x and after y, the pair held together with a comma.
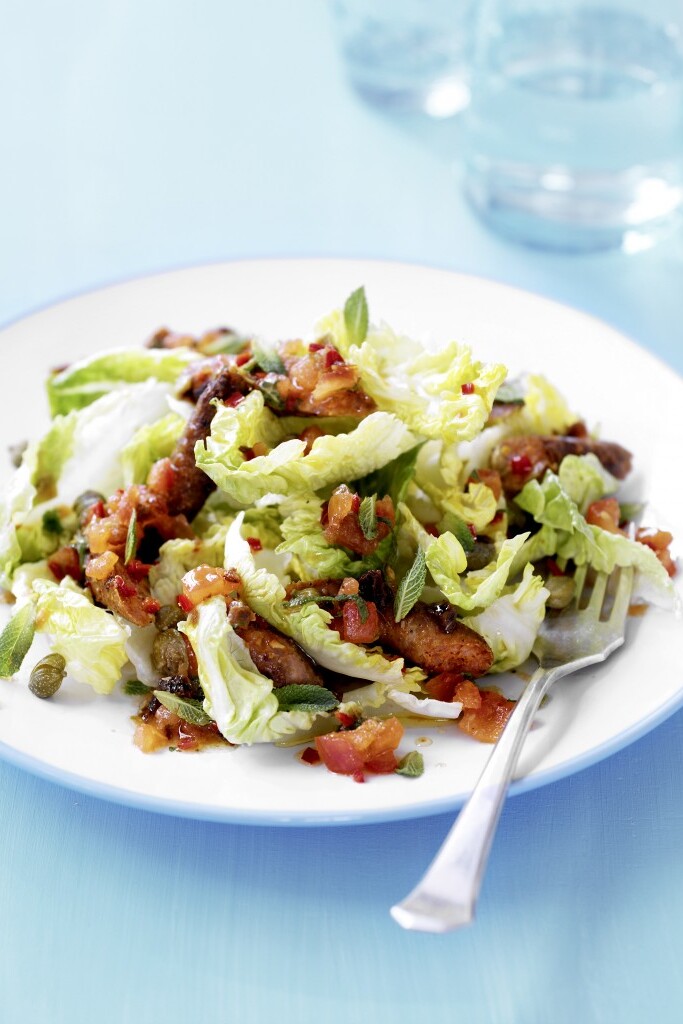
x: 510, y: 624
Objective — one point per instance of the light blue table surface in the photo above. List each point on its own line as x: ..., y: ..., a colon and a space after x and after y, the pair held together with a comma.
x: 140, y: 137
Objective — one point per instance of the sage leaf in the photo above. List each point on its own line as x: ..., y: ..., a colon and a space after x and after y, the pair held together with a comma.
x: 356, y: 316
x: 367, y: 516
x: 305, y: 697
x: 186, y: 708
x: 131, y: 538
x: 411, y: 586
x: 15, y: 640
x: 412, y: 765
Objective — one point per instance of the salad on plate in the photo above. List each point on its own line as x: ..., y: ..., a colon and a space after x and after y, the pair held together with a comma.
x: 311, y: 542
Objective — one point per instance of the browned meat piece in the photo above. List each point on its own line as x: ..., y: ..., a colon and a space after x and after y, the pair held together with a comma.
x: 278, y: 657
x: 434, y: 643
x: 127, y: 597
x: 520, y: 459
x: 186, y: 486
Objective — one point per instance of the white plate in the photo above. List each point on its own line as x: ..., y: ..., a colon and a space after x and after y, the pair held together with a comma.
x: 84, y: 741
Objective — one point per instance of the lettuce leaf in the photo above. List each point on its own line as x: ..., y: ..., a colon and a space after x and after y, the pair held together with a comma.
x: 511, y: 623
x: 285, y: 469
x: 176, y: 557
x: 423, y: 387
x: 566, y: 534
x: 88, y: 379
x: 236, y: 696
x: 90, y: 639
x: 151, y: 442
x: 585, y: 480
x: 309, y: 624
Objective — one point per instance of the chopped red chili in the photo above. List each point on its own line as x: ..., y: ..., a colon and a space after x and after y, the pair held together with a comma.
x: 185, y: 603
x: 332, y: 357
x: 242, y: 358
x: 125, y: 589
x: 521, y: 464
x: 254, y: 543
x: 467, y: 389
x: 315, y: 346
x: 137, y: 570
x: 309, y: 755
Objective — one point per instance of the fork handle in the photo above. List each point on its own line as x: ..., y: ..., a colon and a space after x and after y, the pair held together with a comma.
x: 446, y: 897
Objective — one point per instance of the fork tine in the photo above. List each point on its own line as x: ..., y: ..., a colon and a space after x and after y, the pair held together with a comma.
x: 622, y: 596
x: 598, y: 594
x: 579, y: 580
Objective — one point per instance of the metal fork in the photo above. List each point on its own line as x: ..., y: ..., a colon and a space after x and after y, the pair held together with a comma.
x: 446, y: 897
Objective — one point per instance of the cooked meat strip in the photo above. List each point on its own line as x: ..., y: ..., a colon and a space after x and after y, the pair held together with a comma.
x: 520, y: 459
x: 422, y: 638
x: 188, y: 486
x: 129, y: 598
x: 277, y: 656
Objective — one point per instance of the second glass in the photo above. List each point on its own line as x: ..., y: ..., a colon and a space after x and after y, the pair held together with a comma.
x: 574, y: 133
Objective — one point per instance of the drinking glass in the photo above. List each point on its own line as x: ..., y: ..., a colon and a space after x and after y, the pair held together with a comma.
x: 573, y: 138
x: 407, y: 54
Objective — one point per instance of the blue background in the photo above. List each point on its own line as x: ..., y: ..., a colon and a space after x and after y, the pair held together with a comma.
x: 144, y: 136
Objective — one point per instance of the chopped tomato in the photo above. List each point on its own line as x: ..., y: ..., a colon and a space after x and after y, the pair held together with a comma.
x: 368, y: 748
x: 468, y: 694
x: 65, y: 562
x: 658, y: 541
x: 442, y: 687
x: 354, y: 629
x: 605, y: 514
x: 486, y: 722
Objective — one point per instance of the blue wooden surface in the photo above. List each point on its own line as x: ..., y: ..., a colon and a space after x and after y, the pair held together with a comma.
x: 138, y: 137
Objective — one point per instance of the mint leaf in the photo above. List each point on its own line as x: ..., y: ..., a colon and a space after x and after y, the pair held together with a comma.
x: 15, y: 640
x: 392, y: 479
x: 452, y: 523
x: 134, y: 688
x: 131, y: 538
x: 356, y: 316
x: 412, y: 765
x: 228, y: 343
x: 367, y: 516
x: 267, y: 359
x: 297, y: 602
x: 305, y: 697
x: 186, y: 708
x: 52, y: 522
x: 411, y: 586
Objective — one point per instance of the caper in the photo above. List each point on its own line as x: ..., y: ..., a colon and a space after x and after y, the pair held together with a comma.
x: 169, y: 654
x: 561, y: 591
x: 85, y: 501
x: 169, y: 615
x: 47, y: 675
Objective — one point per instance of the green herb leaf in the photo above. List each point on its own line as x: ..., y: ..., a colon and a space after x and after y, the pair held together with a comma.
x: 134, y: 688
x: 52, y: 522
x: 297, y: 602
x: 630, y: 511
x: 356, y: 316
x: 452, y: 523
x: 271, y: 395
x: 411, y: 586
x: 392, y: 479
x: 184, y: 707
x: 305, y: 697
x: 367, y: 516
x: 229, y: 344
x: 132, y: 538
x: 412, y: 765
x: 267, y: 359
x: 15, y: 640
x: 511, y: 392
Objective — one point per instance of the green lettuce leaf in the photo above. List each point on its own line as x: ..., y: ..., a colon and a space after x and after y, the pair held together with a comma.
x: 309, y: 624
x: 151, y: 442
x: 236, y: 696
x: 90, y: 639
x: 285, y: 469
x: 176, y: 557
x: 423, y: 387
x: 88, y: 379
x: 585, y: 480
x: 566, y: 534
x: 511, y: 623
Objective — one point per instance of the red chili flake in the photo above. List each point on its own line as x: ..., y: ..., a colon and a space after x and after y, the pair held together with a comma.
x: 432, y: 529
x: 124, y: 589
x: 234, y: 399
x: 521, y: 464
x: 467, y: 389
x: 315, y: 346
x: 310, y: 756
x: 254, y: 543
x: 356, y: 503
x: 243, y: 358
x: 553, y: 568
x: 96, y: 511
x: 185, y: 603
x: 151, y: 606
x: 470, y: 527
x: 332, y: 357
x: 498, y: 517
x: 346, y: 721
x: 358, y: 776
x: 137, y: 570
x: 248, y: 453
